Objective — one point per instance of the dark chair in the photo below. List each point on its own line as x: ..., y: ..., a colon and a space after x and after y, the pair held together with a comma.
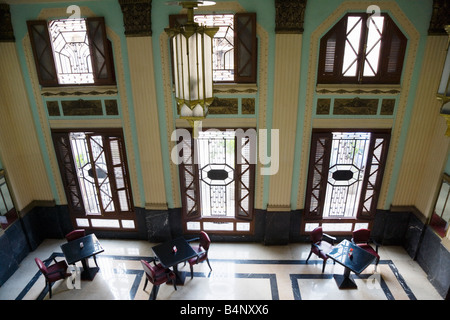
x: 157, y: 275
x: 201, y: 250
x: 361, y: 238
x: 76, y: 234
x: 53, y: 273
x: 321, y: 244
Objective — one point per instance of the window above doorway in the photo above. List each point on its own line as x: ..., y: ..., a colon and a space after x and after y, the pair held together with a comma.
x: 234, y: 47
x: 72, y: 52
x: 361, y: 49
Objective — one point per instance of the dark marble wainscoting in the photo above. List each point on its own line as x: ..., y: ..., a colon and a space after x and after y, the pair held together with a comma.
x: 434, y: 259
x: 277, y: 228
x: 13, y: 249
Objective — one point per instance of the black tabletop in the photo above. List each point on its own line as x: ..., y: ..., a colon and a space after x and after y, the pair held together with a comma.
x: 74, y: 252
x: 168, y: 257
x: 351, y: 256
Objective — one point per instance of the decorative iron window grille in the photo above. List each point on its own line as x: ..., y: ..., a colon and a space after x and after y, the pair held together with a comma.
x: 223, y: 44
x: 71, y: 52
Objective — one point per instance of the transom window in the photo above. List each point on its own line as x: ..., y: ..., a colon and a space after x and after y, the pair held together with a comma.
x: 362, y: 49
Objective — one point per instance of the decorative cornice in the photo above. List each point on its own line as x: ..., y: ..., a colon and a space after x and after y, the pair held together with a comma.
x: 137, y: 17
x: 358, y: 89
x: 6, y: 28
x: 289, y: 16
x: 440, y: 17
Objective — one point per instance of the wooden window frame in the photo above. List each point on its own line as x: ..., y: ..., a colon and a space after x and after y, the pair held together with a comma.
x: 100, y: 48
x: 319, y: 165
x: 245, y: 52
x: 193, y: 214
x: 391, y: 36
x: 70, y: 181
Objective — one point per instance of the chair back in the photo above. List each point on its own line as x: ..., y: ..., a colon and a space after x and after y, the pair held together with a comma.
x: 41, y: 266
x: 149, y: 271
x: 75, y: 234
x: 204, y: 240
x: 316, y: 235
x: 361, y: 235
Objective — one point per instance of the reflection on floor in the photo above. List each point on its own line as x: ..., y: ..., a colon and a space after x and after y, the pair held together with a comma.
x: 241, y: 271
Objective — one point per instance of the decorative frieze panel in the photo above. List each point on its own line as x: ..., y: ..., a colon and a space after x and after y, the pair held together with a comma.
x: 355, y: 107
x: 440, y: 17
x: 6, y: 29
x: 137, y: 17
x: 289, y: 16
x: 80, y: 107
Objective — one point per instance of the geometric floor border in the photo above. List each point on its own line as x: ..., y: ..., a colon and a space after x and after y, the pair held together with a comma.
x: 271, y: 276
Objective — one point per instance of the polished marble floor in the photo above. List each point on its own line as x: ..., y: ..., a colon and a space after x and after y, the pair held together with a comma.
x: 241, y: 271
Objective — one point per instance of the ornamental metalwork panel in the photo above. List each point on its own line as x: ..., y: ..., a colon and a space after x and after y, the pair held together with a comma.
x: 349, y: 151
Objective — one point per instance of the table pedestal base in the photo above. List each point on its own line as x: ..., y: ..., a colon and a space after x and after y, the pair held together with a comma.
x: 180, y: 278
x: 344, y: 281
x: 88, y: 273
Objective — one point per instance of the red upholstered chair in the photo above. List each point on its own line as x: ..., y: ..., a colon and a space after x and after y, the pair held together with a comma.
x: 321, y: 244
x: 361, y: 238
x: 157, y: 275
x: 76, y: 234
x: 202, y: 251
x: 53, y: 273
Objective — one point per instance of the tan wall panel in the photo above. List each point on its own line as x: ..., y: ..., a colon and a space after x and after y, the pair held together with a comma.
x: 19, y: 147
x: 286, y: 87
x: 421, y: 137
x: 140, y: 55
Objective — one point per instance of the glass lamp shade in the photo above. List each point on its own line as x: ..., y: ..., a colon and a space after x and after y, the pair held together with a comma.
x: 193, y: 69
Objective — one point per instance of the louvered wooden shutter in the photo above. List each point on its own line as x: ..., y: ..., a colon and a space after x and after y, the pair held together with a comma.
x: 392, y: 54
x: 101, y: 52
x: 373, y: 176
x: 118, y: 172
x: 42, y: 52
x: 330, y: 54
x: 318, y: 174
x: 189, y: 180
x: 244, y: 179
x: 245, y: 47
x: 69, y: 174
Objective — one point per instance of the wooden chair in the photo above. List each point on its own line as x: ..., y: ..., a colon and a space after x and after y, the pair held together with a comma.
x: 202, y: 251
x: 321, y: 244
x: 361, y: 238
x: 53, y: 273
x: 157, y: 275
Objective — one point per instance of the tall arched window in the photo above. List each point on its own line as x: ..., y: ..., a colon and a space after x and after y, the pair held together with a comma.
x: 362, y: 49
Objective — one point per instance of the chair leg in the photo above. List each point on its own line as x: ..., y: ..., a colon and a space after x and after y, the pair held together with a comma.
x: 145, y: 285
x: 323, y: 265
x: 95, y: 260
x: 49, y: 288
x: 192, y: 271
x: 154, y: 292
x: 309, y: 256
x: 174, y: 281
x: 207, y: 260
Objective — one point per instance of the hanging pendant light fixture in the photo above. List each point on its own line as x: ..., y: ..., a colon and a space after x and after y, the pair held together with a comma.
x: 192, y: 64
